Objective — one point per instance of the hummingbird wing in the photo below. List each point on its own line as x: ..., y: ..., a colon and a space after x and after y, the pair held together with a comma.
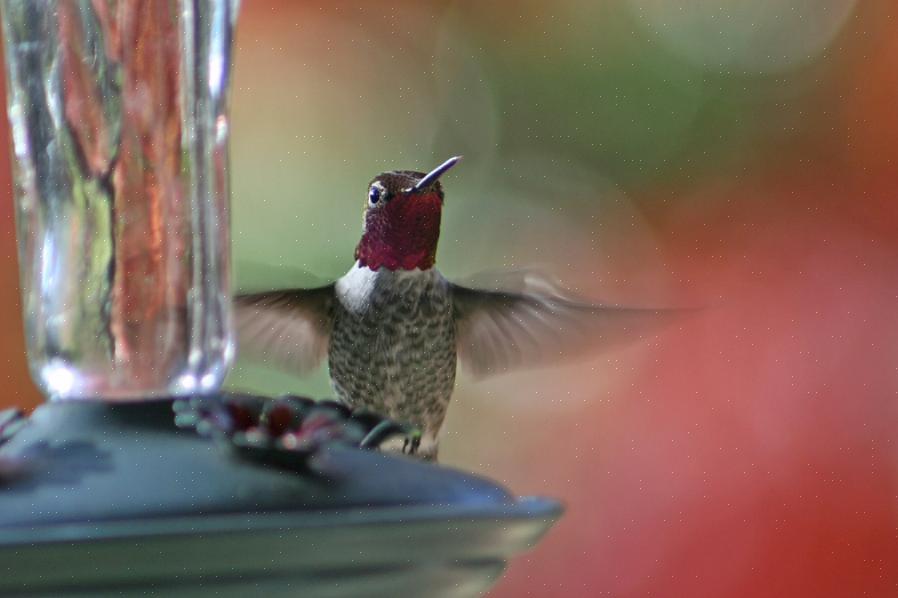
x: 290, y: 327
x: 531, y: 321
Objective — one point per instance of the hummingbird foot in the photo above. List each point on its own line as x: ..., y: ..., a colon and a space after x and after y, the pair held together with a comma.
x: 411, y: 444
x: 415, y: 444
x: 423, y: 447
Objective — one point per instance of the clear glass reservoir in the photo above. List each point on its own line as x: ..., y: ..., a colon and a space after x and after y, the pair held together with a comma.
x: 119, y: 123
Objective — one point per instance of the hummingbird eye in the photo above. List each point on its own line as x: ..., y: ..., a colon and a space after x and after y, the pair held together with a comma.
x: 374, y: 195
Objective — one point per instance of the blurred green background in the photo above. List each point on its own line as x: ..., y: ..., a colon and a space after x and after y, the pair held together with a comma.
x: 561, y: 111
x: 739, y: 154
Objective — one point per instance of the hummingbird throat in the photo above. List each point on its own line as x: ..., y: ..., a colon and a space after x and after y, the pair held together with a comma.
x: 401, y: 235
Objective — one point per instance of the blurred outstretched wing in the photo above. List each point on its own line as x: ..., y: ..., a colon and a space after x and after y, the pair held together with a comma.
x: 290, y: 328
x: 530, y: 321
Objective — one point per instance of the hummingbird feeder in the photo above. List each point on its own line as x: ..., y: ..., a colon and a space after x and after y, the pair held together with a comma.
x: 136, y: 474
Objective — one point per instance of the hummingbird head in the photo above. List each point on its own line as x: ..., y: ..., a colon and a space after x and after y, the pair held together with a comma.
x: 402, y: 220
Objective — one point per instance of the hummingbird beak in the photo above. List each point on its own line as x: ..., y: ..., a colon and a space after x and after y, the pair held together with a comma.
x: 431, y: 177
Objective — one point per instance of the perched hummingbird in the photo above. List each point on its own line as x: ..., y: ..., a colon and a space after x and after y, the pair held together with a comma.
x: 393, y: 328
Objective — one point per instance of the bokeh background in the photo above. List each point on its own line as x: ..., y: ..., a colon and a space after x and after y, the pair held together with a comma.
x: 705, y: 152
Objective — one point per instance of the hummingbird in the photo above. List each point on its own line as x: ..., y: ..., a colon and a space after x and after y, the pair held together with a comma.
x: 393, y: 329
